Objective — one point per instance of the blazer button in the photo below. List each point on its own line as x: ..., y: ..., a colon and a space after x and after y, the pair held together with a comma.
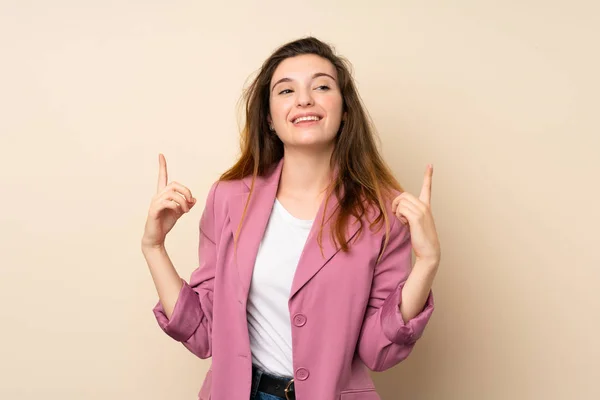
x: 299, y: 320
x: 302, y: 374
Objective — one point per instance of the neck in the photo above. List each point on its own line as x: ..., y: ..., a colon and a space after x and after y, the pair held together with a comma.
x: 305, y: 174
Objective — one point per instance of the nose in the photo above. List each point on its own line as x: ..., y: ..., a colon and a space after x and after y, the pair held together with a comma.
x: 304, y: 98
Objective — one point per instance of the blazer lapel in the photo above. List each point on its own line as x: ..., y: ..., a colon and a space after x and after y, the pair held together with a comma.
x: 254, y: 224
x: 313, y: 258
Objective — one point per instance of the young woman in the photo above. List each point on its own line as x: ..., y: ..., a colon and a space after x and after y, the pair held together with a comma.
x: 305, y: 278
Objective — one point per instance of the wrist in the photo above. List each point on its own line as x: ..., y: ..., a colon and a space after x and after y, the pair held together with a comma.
x: 430, y: 264
x: 153, y: 248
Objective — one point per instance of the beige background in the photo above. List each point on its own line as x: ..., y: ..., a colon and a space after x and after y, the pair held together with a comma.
x: 502, y: 96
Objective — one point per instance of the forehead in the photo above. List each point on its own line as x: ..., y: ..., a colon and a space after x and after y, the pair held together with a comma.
x: 303, y: 67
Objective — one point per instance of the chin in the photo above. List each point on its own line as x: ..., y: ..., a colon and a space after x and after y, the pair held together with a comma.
x: 314, y: 145
x: 313, y: 139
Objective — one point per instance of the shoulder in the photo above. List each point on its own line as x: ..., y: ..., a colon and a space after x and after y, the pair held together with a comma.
x: 220, y: 195
x: 222, y: 190
x: 218, y: 201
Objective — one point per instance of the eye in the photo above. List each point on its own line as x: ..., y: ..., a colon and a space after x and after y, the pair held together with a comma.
x: 285, y: 91
x: 323, y: 87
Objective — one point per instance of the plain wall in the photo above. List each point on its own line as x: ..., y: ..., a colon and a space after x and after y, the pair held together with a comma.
x: 501, y: 96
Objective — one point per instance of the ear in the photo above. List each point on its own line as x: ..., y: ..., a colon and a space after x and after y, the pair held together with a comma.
x: 344, y: 116
x: 270, y: 122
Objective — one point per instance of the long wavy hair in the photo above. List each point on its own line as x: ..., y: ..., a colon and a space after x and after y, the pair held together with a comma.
x: 363, y: 179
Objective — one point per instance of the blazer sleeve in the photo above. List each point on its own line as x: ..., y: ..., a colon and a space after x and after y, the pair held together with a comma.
x: 192, y: 317
x: 385, y: 338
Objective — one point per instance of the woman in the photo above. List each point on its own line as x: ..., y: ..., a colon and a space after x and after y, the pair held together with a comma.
x: 305, y: 279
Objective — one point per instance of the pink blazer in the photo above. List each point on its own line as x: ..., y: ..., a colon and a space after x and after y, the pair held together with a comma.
x: 343, y: 306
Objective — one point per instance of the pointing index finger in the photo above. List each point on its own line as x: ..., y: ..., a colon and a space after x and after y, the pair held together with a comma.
x: 425, y: 195
x: 162, y: 173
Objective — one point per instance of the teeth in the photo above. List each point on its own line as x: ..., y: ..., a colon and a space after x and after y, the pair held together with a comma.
x: 309, y: 118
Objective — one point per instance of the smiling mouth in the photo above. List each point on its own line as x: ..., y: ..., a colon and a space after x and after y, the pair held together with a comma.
x: 306, y: 119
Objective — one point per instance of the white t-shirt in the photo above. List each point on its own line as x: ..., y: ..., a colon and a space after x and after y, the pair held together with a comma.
x: 269, y: 324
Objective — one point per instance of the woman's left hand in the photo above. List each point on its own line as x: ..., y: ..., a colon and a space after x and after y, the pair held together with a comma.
x: 417, y: 213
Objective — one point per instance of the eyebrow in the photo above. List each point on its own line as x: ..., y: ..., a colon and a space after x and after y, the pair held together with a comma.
x: 318, y: 74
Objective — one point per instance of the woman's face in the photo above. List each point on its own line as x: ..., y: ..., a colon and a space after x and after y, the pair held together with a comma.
x: 305, y: 102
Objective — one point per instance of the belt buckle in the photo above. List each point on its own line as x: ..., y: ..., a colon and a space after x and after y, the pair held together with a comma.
x: 287, y: 390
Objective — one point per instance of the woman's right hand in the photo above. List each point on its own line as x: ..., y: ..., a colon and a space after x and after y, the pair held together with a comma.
x: 168, y: 205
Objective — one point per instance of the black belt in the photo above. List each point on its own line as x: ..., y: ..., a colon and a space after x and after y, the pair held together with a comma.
x: 280, y: 387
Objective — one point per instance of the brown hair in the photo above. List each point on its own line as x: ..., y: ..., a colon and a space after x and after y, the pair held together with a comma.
x: 363, y: 177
